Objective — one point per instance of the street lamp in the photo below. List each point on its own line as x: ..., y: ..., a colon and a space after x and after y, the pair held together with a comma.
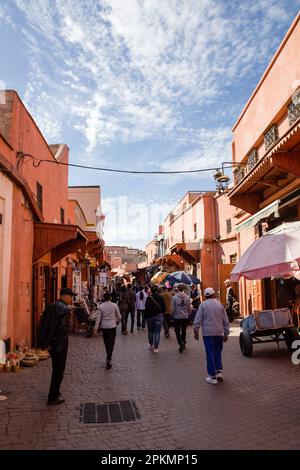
x: 221, y: 181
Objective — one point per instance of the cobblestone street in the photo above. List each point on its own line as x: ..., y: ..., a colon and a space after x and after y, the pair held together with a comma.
x: 257, y: 406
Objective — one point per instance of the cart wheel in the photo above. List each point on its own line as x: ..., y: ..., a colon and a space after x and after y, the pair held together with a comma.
x: 246, y: 344
x: 290, y: 335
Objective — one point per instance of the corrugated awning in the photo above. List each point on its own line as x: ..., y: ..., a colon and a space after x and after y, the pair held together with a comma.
x: 262, y: 214
x: 59, y: 239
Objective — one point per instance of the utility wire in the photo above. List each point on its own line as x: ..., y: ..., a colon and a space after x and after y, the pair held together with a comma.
x: 112, y: 170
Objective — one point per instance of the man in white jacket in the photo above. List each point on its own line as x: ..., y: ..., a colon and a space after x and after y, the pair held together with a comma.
x: 212, y: 317
x: 181, y: 309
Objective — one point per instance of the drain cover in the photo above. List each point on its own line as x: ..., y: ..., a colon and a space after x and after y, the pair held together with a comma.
x: 111, y: 412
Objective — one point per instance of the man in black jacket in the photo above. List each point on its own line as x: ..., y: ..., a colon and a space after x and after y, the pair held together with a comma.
x: 53, y: 332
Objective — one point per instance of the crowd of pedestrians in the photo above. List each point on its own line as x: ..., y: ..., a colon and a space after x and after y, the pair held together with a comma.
x: 152, y: 306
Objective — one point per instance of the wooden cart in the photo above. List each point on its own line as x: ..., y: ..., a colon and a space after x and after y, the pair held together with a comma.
x: 277, y: 332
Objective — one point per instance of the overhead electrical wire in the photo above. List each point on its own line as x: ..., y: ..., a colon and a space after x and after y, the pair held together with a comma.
x: 112, y: 170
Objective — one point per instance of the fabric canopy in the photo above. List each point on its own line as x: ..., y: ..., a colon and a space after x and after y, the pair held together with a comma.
x: 158, y: 277
x: 182, y: 277
x: 275, y: 254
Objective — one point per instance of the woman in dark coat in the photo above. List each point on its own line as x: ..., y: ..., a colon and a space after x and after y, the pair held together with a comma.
x: 154, y: 315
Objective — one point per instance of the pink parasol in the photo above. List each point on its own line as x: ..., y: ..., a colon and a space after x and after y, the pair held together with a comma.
x: 275, y: 254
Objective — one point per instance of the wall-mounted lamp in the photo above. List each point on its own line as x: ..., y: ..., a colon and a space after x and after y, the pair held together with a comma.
x: 221, y: 181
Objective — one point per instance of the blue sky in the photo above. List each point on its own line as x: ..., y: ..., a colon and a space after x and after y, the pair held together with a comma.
x: 139, y: 84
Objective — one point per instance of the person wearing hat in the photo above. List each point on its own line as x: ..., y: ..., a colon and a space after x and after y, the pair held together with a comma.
x: 212, y: 317
x: 229, y: 299
x: 53, y: 333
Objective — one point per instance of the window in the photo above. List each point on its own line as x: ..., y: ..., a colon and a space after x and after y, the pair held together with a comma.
x: 233, y: 258
x: 184, y: 206
x: 39, y: 195
x: 62, y: 215
x: 228, y: 226
x: 182, y: 236
x: 271, y: 136
x: 195, y: 231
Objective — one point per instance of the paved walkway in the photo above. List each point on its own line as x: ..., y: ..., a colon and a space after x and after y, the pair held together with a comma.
x: 257, y: 406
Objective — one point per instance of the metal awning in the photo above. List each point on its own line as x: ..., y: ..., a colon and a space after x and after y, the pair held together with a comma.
x: 262, y: 214
x: 59, y: 239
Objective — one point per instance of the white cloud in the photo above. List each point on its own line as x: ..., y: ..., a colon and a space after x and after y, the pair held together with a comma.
x: 5, y: 17
x: 124, y: 74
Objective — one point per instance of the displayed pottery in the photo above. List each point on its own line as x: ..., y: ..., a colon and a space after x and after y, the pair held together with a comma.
x: 30, y: 359
x: 41, y: 354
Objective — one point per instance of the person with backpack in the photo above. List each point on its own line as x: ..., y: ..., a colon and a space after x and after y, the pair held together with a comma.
x: 108, y: 317
x: 53, y: 333
x: 140, y: 302
x: 181, y: 309
x: 154, y: 314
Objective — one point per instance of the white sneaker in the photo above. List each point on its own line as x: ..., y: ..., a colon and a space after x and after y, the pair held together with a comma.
x: 155, y: 351
x: 150, y: 346
x: 211, y: 380
x: 219, y: 376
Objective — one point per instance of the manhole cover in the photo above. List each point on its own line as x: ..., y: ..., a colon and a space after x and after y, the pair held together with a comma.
x: 111, y: 412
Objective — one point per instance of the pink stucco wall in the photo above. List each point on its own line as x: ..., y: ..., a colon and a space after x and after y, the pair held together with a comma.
x: 22, y: 134
x: 271, y: 95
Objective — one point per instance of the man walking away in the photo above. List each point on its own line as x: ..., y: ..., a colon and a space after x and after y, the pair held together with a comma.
x: 167, y: 298
x: 108, y: 317
x: 53, y: 332
x: 212, y: 317
x: 229, y: 299
x: 131, y: 302
x: 140, y: 301
x: 181, y: 308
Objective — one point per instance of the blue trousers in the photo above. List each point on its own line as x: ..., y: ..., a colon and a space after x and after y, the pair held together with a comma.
x: 154, y: 326
x: 213, y: 347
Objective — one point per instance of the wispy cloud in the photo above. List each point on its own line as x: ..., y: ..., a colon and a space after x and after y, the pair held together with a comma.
x: 125, y: 74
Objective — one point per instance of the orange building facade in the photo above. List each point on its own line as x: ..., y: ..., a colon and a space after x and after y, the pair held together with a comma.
x: 39, y: 226
x: 266, y: 160
x: 199, y: 238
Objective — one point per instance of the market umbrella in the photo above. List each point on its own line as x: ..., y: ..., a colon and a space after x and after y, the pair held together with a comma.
x: 182, y: 277
x: 158, y: 277
x: 275, y: 254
